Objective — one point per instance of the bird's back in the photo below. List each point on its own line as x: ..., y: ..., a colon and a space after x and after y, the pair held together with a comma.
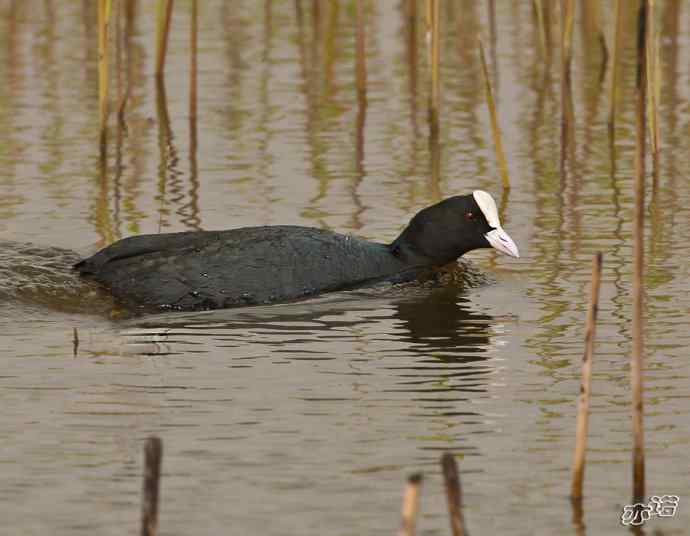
x: 251, y: 265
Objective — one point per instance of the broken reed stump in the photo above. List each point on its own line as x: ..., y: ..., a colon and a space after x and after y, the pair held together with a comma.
x: 586, y: 382
x: 453, y: 494
x: 153, y: 452
x: 410, y: 505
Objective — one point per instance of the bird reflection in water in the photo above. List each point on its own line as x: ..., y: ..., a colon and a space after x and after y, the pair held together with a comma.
x: 444, y: 324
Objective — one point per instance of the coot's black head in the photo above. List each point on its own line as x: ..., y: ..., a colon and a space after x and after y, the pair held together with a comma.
x: 443, y: 232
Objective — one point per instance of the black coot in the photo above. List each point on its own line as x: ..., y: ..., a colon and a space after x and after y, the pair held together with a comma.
x: 252, y: 265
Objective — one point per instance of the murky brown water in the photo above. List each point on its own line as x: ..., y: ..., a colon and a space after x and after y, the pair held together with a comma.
x: 305, y: 418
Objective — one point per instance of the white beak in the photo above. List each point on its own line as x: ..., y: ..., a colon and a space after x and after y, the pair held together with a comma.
x: 500, y: 241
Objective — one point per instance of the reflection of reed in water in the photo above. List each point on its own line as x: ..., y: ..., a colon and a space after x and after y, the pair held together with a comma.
x: 190, y: 210
x: 168, y: 174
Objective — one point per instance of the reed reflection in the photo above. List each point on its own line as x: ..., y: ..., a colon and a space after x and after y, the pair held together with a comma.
x: 361, y: 120
x: 167, y: 154
x: 190, y: 210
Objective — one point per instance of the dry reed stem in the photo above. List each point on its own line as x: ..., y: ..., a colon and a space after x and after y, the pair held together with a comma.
x: 429, y: 20
x: 567, y: 119
x: 495, y: 128
x: 638, y: 271
x: 586, y: 382
x: 433, y: 41
x: 453, y: 494
x: 153, y: 452
x: 592, y: 8
x: 118, y: 51
x: 567, y: 16
x: 129, y: 11
x: 411, y: 54
x: 104, y: 8
x: 193, y: 32
x: 653, y: 79
x: 163, y: 15
x: 542, y: 29
x: 410, y: 505
x: 435, y: 56
x: 617, y: 49
x: 361, y: 65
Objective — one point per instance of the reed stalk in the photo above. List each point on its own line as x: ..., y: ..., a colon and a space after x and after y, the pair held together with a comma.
x: 433, y: 43
x: 586, y: 382
x: 164, y: 10
x: 542, y: 29
x: 153, y: 452
x: 118, y: 61
x: 617, y: 49
x: 593, y: 22
x: 129, y: 17
x: 653, y: 79
x: 567, y: 16
x: 361, y: 65
x: 567, y: 119
x: 638, y: 267
x: 495, y: 128
x: 412, y: 61
x: 548, y: 17
x: 193, y: 33
x: 453, y: 494
x: 429, y: 20
x: 492, y: 29
x: 435, y: 57
x: 410, y: 505
x: 104, y: 9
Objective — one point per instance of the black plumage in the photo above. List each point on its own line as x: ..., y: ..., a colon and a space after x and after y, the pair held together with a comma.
x: 254, y: 265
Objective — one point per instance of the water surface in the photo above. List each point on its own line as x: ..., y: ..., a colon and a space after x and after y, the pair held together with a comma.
x: 306, y: 418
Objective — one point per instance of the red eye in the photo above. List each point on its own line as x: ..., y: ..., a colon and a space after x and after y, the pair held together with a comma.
x: 469, y: 216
